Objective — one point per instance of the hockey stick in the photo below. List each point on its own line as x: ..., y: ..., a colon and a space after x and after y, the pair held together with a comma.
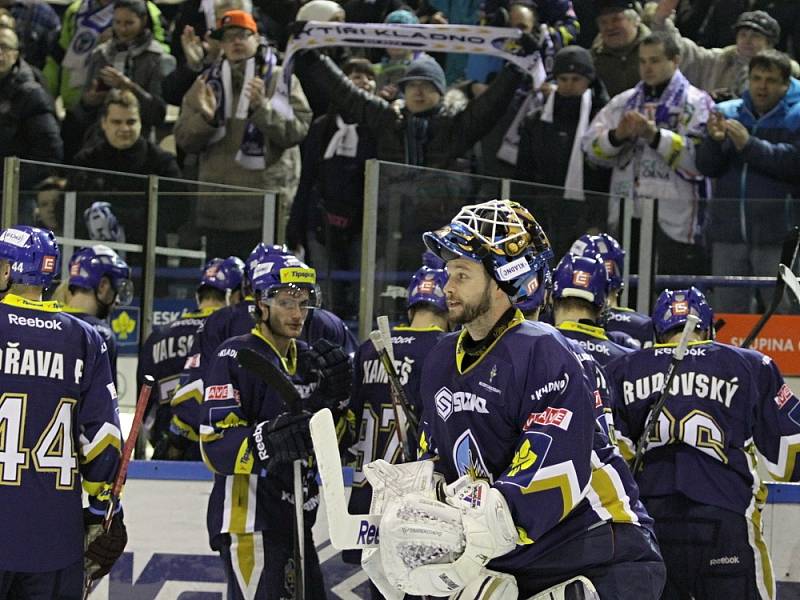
x: 404, y: 420
x: 790, y: 279
x: 347, y: 532
x: 270, y: 374
x: 122, y: 469
x: 652, y: 419
x: 788, y: 255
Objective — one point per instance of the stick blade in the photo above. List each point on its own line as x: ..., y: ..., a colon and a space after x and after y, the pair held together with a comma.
x: 347, y: 532
x: 270, y: 373
x: 791, y: 281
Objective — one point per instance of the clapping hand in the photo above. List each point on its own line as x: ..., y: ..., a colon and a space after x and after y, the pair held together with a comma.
x: 114, y: 78
x: 256, y: 92
x: 201, y: 97
x: 716, y: 127
x: 737, y: 133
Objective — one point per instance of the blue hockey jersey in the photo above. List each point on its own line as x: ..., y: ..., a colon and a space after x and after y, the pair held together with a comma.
x: 104, y: 329
x: 593, y: 340
x: 244, y: 498
x: 525, y: 417
x: 163, y: 356
x: 224, y: 324
x: 60, y: 430
x: 371, y: 402
x: 637, y: 325
x: 726, y: 404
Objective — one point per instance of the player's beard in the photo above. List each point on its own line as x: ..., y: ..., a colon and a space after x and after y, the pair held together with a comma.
x: 470, y: 312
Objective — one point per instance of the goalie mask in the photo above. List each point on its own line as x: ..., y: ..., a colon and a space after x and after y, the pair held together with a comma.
x: 284, y: 272
x: 89, y: 265
x: 504, y: 237
x: 33, y: 254
x: 582, y: 277
x: 537, y: 297
x: 673, y: 307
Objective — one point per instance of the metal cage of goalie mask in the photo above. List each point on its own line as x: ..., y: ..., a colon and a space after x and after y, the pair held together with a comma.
x: 501, y: 235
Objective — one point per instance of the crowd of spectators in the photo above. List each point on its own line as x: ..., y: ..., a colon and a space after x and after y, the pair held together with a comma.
x: 692, y: 103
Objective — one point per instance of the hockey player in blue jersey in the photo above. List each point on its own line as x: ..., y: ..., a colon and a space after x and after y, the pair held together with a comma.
x: 371, y: 400
x: 229, y: 322
x: 249, y: 440
x: 164, y: 353
x: 580, y: 286
x: 99, y: 280
x: 509, y: 414
x: 726, y: 407
x: 630, y: 323
x: 60, y: 432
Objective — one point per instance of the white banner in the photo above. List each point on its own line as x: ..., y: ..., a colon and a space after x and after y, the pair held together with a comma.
x: 467, y: 39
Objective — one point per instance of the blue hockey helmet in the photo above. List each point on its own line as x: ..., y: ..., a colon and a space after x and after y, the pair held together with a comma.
x: 33, y: 254
x: 259, y: 255
x: 223, y: 274
x: 583, y: 277
x: 610, y: 251
x: 673, y: 307
x: 427, y: 284
x: 89, y: 265
x: 536, y: 298
x: 504, y: 237
x: 284, y: 271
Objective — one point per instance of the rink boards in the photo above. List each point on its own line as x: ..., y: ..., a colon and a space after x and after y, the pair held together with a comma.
x: 168, y: 556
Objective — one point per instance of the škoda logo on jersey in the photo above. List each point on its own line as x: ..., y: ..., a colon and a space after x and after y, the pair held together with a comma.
x: 448, y: 402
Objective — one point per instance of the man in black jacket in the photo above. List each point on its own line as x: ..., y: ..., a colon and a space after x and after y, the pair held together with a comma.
x: 122, y: 148
x: 28, y: 125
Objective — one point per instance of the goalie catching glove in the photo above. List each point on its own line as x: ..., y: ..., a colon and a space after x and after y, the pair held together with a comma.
x: 284, y: 439
x: 432, y: 548
x: 103, y: 548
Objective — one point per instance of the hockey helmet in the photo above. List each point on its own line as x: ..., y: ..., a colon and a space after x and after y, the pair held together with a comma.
x: 427, y: 284
x: 223, y: 274
x: 89, y: 265
x: 33, y: 254
x: 672, y: 308
x: 610, y: 251
x: 284, y: 272
x: 583, y: 277
x: 535, y: 299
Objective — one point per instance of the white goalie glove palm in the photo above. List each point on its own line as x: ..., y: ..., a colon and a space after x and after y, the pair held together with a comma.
x: 433, y: 548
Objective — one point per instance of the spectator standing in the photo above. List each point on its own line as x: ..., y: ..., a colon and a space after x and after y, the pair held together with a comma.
x: 28, y: 125
x: 327, y: 211
x: 228, y: 119
x: 37, y: 26
x: 722, y: 71
x: 648, y: 135
x: 131, y: 60
x: 550, y: 151
x: 86, y: 24
x: 616, y: 49
x: 753, y: 149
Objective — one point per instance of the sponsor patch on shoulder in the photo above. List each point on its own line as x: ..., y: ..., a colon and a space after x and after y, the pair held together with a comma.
x: 783, y: 396
x: 192, y: 362
x: 112, y: 390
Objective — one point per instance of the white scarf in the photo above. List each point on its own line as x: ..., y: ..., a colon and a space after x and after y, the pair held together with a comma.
x: 574, y: 182
x: 90, y: 24
x: 247, y: 161
x: 344, y: 142
x: 207, y: 8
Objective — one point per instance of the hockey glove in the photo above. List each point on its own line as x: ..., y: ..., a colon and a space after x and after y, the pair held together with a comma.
x: 281, y: 440
x: 103, y: 548
x: 330, y: 366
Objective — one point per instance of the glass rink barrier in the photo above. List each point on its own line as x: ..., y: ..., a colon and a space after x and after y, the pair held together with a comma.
x: 166, y: 230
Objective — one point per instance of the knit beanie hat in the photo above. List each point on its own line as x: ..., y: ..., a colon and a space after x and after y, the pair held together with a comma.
x: 426, y: 69
x: 574, y: 59
x: 402, y: 17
